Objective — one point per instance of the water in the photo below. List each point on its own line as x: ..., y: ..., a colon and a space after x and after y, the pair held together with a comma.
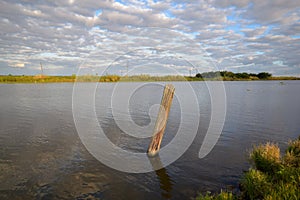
x: 42, y: 157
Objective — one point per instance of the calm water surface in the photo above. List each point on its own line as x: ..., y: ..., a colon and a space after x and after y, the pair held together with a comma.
x: 42, y: 157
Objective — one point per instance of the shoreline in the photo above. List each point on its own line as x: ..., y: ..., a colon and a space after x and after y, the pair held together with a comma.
x: 11, y: 79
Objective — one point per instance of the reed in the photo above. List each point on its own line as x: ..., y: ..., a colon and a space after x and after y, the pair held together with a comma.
x: 271, y: 177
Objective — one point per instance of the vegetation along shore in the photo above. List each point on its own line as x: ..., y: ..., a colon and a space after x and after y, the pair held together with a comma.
x: 272, y: 176
x: 210, y: 76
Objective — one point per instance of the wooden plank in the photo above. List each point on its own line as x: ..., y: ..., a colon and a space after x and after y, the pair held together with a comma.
x: 161, y: 120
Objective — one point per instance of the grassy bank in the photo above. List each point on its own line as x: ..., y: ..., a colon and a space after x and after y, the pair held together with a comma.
x: 112, y: 78
x: 90, y: 78
x: 210, y: 76
x: 272, y: 177
x: 57, y: 79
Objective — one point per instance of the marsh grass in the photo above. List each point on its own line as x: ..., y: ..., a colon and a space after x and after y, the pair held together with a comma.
x: 222, y: 196
x: 207, y: 76
x: 266, y: 158
x: 254, y: 184
x: 272, y: 177
x: 292, y: 156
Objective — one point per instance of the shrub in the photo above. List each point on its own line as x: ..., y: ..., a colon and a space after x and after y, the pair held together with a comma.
x: 283, y: 190
x: 266, y: 158
x: 292, y: 156
x: 221, y: 196
x: 255, y: 184
x: 273, y: 177
x: 264, y: 75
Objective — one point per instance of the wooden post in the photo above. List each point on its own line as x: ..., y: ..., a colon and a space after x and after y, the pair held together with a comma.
x: 161, y: 120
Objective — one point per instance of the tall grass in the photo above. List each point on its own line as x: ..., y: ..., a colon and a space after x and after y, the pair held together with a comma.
x: 213, y: 76
x: 272, y: 177
x: 221, y: 196
x: 266, y: 158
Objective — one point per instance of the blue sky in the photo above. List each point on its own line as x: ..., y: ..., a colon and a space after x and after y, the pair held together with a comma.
x: 167, y: 36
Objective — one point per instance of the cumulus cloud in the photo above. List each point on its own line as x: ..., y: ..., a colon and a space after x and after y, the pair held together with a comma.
x: 268, y: 11
x: 248, y: 35
x: 19, y: 65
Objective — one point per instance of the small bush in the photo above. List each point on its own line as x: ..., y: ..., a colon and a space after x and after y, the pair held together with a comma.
x: 207, y: 196
x: 266, y: 158
x: 255, y: 184
x: 281, y: 190
x: 292, y: 156
x: 273, y: 177
x: 221, y: 196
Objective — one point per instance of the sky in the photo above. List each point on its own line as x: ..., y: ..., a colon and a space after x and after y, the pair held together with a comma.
x: 149, y: 37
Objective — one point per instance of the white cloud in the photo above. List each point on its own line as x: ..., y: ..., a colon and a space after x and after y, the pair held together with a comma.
x: 255, y: 32
x: 247, y: 33
x: 18, y: 65
x: 267, y: 11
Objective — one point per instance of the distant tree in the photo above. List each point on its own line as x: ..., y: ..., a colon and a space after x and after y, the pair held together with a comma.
x: 242, y: 75
x: 211, y: 74
x: 198, y: 75
x: 227, y: 74
x: 252, y: 74
x: 264, y: 75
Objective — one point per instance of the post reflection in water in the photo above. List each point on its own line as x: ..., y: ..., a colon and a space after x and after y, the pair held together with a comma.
x: 165, y: 180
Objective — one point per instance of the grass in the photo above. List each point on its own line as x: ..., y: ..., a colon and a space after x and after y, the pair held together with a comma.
x: 92, y: 78
x: 57, y: 79
x: 272, y: 177
x: 266, y: 158
x: 221, y: 196
x: 209, y: 76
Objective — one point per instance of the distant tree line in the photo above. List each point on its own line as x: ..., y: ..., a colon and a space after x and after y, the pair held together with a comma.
x: 214, y: 76
x: 231, y: 75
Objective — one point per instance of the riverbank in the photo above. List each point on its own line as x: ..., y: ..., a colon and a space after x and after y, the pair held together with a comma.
x: 135, y: 78
x: 272, y: 176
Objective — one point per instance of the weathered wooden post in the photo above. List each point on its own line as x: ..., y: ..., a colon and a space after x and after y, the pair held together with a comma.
x: 161, y: 120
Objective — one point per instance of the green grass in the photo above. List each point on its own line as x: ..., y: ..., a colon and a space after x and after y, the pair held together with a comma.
x: 272, y: 177
x: 208, y: 76
x: 57, y: 79
x: 221, y: 196
x: 266, y: 158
